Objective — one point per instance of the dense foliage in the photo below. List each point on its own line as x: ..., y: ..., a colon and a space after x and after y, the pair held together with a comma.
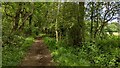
x: 77, y: 33
x: 103, y: 53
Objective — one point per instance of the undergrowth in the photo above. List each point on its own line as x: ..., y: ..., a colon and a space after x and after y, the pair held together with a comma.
x: 102, y: 53
x: 14, y: 51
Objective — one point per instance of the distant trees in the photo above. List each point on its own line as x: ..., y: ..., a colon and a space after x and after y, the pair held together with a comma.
x: 17, y: 14
x: 81, y: 25
x: 100, y: 14
x: 62, y: 20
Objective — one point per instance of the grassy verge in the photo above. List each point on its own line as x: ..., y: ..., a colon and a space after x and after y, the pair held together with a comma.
x: 102, y: 53
x: 65, y: 55
x: 13, y: 52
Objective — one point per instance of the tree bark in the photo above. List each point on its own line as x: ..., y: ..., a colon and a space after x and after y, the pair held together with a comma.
x: 76, y: 32
x: 56, y: 24
x: 17, y: 17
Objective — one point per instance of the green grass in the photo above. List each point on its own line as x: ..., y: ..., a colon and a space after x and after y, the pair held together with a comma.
x: 14, y: 52
x: 102, y: 53
x: 65, y: 55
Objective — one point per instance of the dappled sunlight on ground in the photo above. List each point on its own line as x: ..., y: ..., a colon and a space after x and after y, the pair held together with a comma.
x: 38, y: 55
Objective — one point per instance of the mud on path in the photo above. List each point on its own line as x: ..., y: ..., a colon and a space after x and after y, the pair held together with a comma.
x: 38, y: 55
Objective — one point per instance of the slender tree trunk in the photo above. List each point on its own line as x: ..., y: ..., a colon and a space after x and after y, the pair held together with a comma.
x: 17, y: 17
x: 82, y: 24
x: 30, y: 25
x: 91, y: 30
x: 56, y: 24
x: 56, y: 30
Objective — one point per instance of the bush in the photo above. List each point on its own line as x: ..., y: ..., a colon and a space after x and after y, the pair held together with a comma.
x: 102, y: 53
x: 14, y: 52
x: 65, y: 55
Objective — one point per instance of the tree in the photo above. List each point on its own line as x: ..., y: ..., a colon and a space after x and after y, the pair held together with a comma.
x: 100, y: 16
x: 76, y: 32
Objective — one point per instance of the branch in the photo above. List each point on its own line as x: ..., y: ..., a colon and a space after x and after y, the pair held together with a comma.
x: 108, y: 12
x: 110, y: 17
x: 27, y: 15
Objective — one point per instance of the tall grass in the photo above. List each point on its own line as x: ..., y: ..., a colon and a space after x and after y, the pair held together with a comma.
x: 102, y: 53
x: 14, y: 52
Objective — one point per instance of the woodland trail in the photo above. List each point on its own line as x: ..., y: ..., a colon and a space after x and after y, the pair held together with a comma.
x: 38, y: 55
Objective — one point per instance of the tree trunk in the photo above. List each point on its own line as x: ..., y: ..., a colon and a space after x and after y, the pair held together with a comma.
x: 17, y: 17
x: 76, y: 32
x: 82, y: 24
x: 92, y: 21
x: 56, y: 24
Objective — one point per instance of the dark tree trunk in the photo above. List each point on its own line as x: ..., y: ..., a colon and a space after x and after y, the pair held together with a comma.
x: 17, y: 17
x: 76, y: 33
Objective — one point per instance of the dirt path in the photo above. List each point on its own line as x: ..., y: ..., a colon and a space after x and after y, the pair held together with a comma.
x: 38, y: 55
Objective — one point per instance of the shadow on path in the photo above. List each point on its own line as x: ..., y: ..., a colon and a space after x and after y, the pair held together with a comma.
x: 38, y: 55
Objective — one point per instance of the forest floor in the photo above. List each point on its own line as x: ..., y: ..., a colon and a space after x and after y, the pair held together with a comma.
x: 37, y: 55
